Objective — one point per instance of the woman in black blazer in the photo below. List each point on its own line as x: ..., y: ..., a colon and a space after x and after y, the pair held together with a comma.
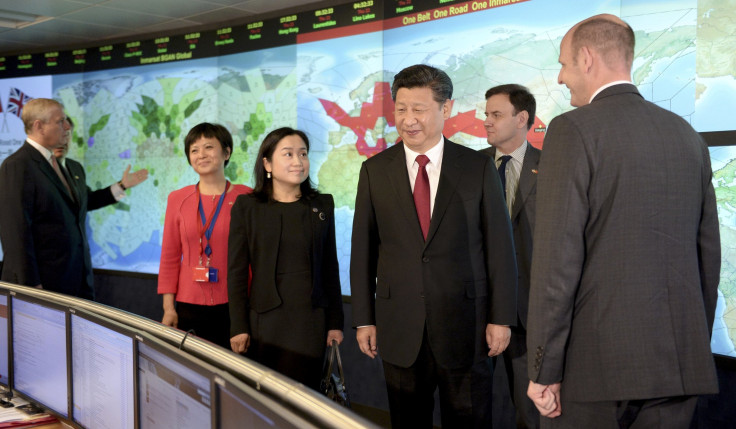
x: 284, y: 235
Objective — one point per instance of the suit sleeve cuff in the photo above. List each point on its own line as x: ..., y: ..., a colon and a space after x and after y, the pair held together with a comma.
x: 117, y: 191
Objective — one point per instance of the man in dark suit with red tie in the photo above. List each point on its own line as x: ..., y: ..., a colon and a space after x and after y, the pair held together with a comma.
x: 432, y: 271
x: 41, y: 220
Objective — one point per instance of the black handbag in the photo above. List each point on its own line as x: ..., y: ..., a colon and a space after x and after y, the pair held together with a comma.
x: 333, y: 385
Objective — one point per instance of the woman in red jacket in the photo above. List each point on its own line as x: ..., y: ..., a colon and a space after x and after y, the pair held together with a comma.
x: 193, y: 270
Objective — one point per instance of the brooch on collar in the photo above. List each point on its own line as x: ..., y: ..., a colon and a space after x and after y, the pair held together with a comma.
x: 322, y: 215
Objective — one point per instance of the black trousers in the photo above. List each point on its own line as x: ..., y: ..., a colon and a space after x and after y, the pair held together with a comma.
x: 211, y: 322
x: 661, y: 413
x: 465, y: 393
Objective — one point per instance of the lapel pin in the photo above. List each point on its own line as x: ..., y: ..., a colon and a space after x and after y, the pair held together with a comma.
x: 322, y: 216
x: 535, y: 171
x: 314, y: 209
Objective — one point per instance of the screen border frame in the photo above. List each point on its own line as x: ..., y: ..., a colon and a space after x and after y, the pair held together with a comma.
x: 67, y: 321
x: 118, y: 328
x: 181, y: 357
x: 5, y: 388
x: 240, y: 388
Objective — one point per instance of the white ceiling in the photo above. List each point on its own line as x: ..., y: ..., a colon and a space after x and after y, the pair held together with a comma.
x: 30, y: 26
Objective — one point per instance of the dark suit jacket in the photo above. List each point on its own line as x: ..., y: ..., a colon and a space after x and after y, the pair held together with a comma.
x: 255, y: 232
x: 626, y: 254
x: 462, y: 278
x: 522, y: 222
x: 95, y: 199
x: 42, y: 229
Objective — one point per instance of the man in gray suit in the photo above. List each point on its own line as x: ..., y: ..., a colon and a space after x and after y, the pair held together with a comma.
x: 627, y: 250
x: 510, y: 111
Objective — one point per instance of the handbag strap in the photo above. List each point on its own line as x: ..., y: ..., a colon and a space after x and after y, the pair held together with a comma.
x: 330, y: 360
x: 336, y: 353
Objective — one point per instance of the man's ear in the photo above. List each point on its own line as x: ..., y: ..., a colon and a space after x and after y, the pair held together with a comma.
x: 585, y: 58
x: 523, y: 117
x: 447, y: 108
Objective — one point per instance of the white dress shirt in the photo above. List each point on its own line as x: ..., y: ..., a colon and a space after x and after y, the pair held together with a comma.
x: 608, y: 85
x: 433, y: 169
x: 47, y: 154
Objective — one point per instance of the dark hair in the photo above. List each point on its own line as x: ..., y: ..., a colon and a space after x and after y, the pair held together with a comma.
x: 424, y: 76
x: 263, y: 189
x: 613, y: 40
x: 520, y: 98
x: 208, y: 130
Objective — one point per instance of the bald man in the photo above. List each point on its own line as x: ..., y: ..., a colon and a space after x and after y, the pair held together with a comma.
x: 626, y: 250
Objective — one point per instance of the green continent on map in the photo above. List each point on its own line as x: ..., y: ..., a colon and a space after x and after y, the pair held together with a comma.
x: 339, y: 173
x: 255, y: 126
x: 100, y: 124
x: 153, y: 119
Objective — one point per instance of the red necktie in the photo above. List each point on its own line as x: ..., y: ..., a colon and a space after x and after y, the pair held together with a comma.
x: 421, y: 194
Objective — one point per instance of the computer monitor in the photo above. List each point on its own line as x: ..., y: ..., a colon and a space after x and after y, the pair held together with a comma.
x: 40, y: 352
x: 241, y: 406
x: 4, y: 345
x: 174, y: 388
x: 103, y: 372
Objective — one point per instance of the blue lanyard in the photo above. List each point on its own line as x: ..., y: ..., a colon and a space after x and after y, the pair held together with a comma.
x: 209, y: 226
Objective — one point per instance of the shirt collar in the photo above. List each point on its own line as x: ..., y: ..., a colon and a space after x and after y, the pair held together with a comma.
x: 608, y: 85
x: 517, y: 154
x: 434, y: 154
x: 47, y: 154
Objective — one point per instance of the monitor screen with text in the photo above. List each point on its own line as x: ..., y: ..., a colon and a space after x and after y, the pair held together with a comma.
x: 174, y: 391
x: 241, y: 406
x: 103, y: 375
x: 40, y: 370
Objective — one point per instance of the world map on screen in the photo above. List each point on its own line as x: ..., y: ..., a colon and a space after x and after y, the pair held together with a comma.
x: 338, y: 92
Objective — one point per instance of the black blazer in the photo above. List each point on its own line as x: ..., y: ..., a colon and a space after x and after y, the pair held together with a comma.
x: 523, y: 216
x: 95, y: 199
x: 42, y: 228
x: 253, y: 241
x: 462, y: 278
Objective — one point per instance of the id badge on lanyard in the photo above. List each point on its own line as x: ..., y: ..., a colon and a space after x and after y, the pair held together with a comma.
x: 206, y: 273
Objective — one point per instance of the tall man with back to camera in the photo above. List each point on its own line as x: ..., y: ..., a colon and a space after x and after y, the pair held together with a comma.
x: 42, y: 222
x: 627, y: 250
x: 432, y: 269
x: 510, y: 112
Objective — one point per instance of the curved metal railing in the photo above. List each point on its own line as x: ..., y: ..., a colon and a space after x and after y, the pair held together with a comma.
x: 306, y: 402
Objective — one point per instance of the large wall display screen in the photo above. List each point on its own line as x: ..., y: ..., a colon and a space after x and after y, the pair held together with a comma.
x: 328, y: 72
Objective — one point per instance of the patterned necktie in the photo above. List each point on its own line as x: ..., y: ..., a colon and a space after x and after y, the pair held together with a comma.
x: 55, y: 166
x: 68, y: 176
x: 421, y: 194
x: 502, y: 172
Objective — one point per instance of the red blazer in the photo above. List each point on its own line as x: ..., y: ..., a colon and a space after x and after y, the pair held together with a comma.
x: 180, y: 247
